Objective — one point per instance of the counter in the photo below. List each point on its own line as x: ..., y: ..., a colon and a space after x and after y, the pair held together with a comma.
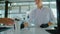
x: 30, y: 30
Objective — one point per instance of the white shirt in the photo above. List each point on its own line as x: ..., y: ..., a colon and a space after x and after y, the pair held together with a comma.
x: 40, y: 16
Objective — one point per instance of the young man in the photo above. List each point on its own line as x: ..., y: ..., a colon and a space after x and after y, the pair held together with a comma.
x: 41, y: 16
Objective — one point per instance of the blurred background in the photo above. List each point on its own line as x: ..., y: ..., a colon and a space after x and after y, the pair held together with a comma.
x: 20, y: 8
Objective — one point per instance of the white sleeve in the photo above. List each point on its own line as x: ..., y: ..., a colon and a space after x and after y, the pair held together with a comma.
x: 31, y: 15
x: 52, y: 18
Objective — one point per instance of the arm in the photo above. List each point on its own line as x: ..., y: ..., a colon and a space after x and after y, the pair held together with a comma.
x: 51, y: 18
x: 30, y: 18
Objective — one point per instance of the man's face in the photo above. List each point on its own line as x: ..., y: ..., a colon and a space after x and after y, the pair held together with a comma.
x: 38, y: 2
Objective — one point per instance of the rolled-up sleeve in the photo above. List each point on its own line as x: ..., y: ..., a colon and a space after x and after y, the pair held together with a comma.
x: 52, y: 18
x: 31, y: 15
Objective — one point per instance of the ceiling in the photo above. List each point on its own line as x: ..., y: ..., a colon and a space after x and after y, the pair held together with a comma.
x: 25, y: 0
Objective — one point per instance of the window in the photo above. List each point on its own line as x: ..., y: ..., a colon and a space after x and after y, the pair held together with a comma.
x: 2, y: 10
x: 24, y: 9
x: 13, y: 10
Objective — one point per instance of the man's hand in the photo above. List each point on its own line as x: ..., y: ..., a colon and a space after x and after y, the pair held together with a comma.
x: 49, y: 23
x: 25, y: 24
x: 45, y: 25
